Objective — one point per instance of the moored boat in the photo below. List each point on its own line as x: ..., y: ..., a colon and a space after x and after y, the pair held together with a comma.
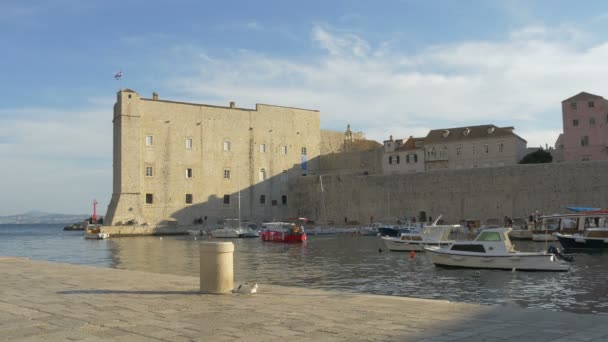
x: 282, y: 232
x: 372, y: 229
x: 590, y: 239
x: 226, y: 232
x: 582, y: 230
x: 492, y: 249
x: 416, y: 241
x: 94, y: 233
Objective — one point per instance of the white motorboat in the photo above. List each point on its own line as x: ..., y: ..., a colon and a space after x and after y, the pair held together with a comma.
x: 252, y: 230
x: 95, y: 233
x: 492, y: 249
x: 372, y: 229
x: 416, y: 241
x: 227, y: 232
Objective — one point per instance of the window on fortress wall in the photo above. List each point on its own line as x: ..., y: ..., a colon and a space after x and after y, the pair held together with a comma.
x: 226, y: 173
x: 149, y: 171
x: 591, y: 104
x: 149, y: 198
x: 284, y: 199
x: 390, y: 160
x: 585, y: 140
x: 188, y: 173
x: 283, y: 149
x: 189, y: 143
x: 262, y: 148
x: 262, y: 199
x: 226, y: 146
x: 459, y: 150
x: 486, y: 148
x: 501, y: 147
x: 592, y: 121
x: 149, y: 140
x: 574, y: 123
x: 274, y: 203
x: 226, y: 199
x: 188, y: 198
x: 262, y: 174
x: 573, y: 105
x: 303, y: 151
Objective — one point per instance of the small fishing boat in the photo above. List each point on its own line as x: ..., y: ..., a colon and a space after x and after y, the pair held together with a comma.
x: 94, y: 233
x: 432, y: 235
x: 492, y: 249
x: 282, y: 232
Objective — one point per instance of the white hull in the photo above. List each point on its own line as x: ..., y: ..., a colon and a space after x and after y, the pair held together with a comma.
x: 544, y: 237
x: 511, y: 261
x: 394, y: 244
x: 195, y: 232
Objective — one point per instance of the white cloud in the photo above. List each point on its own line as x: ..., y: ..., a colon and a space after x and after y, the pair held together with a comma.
x: 519, y: 81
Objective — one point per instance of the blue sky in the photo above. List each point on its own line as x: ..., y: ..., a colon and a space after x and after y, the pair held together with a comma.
x: 395, y: 68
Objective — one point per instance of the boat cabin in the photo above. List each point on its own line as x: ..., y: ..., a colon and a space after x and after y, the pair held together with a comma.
x: 578, y: 222
x: 495, y: 240
x: 283, y: 227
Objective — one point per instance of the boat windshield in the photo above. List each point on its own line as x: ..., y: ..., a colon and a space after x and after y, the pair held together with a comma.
x: 488, y: 236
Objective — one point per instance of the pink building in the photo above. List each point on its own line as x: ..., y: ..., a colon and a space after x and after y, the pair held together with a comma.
x: 585, y: 119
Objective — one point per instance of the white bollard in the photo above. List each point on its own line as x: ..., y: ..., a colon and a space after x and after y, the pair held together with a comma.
x: 217, y: 271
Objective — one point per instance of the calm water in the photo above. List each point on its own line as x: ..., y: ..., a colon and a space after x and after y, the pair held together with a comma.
x: 345, y: 263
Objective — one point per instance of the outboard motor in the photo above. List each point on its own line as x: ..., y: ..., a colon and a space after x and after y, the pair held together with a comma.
x: 555, y: 251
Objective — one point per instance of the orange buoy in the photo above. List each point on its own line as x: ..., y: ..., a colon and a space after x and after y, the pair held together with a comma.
x: 412, y: 255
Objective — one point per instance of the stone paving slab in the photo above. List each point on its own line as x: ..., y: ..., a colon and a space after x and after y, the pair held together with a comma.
x: 44, y: 301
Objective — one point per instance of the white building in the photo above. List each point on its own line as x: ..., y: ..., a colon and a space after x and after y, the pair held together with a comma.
x: 403, y: 157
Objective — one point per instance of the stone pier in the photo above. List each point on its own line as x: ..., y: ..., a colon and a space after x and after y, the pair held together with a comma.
x: 44, y: 301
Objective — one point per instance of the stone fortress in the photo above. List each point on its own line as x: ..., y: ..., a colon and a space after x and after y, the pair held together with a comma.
x: 178, y: 164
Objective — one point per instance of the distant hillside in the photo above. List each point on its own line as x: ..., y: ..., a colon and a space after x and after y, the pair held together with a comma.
x: 33, y: 217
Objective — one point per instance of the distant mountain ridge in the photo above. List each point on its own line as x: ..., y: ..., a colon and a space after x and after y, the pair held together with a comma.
x: 35, y: 216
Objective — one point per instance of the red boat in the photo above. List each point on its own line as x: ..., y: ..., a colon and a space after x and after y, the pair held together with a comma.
x: 282, y: 232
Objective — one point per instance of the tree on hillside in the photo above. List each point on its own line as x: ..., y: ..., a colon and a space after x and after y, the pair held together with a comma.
x: 536, y: 157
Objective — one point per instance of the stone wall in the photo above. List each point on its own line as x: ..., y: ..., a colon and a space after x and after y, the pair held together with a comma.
x: 489, y: 193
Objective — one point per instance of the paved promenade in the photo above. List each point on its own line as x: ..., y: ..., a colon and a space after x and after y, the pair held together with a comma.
x: 42, y: 301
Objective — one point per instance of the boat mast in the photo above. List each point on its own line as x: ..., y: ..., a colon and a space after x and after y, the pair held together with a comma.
x: 238, y: 179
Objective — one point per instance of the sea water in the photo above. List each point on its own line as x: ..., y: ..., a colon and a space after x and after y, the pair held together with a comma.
x: 341, y: 262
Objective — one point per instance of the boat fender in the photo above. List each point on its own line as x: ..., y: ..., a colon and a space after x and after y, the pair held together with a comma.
x: 412, y: 255
x: 558, y: 254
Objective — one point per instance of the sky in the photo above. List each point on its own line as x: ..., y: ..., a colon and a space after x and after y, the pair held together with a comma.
x: 397, y: 68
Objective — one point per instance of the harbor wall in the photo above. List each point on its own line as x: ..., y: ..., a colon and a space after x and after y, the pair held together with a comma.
x: 483, y: 194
